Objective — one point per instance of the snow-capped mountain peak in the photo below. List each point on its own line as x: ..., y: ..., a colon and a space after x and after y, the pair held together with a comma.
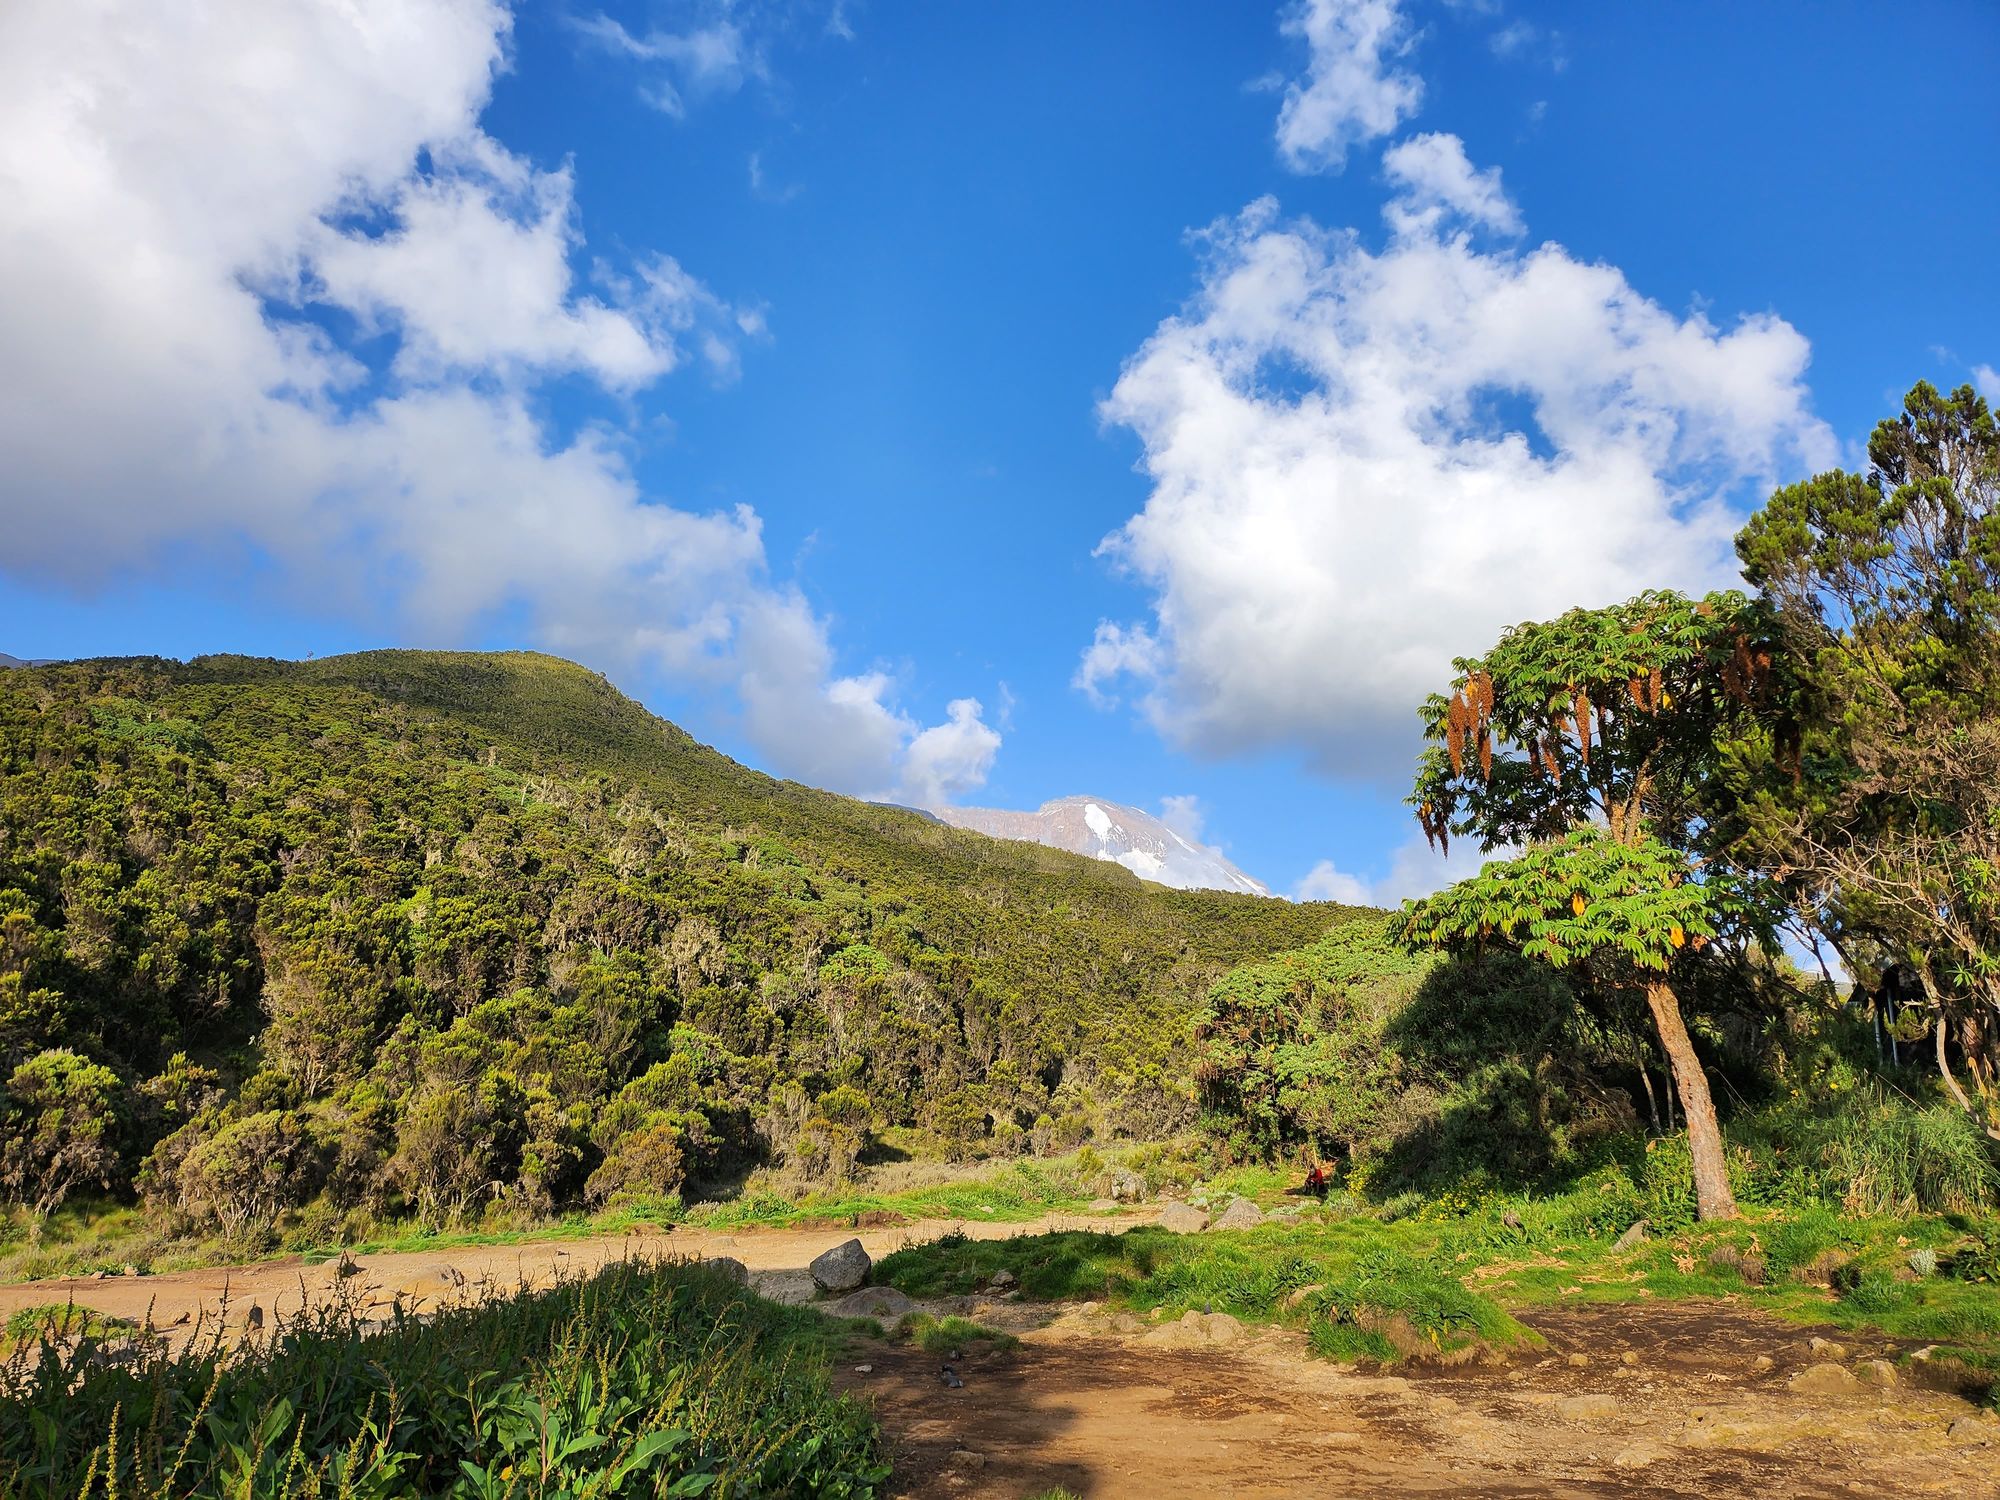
x: 1112, y: 831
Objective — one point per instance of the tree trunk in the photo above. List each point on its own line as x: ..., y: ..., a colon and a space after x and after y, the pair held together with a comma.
x: 1713, y: 1199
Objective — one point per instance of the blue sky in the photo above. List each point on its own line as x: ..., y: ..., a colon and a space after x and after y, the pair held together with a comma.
x: 793, y: 362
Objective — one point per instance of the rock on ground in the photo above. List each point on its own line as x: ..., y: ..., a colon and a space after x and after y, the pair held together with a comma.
x: 1823, y: 1380
x: 1182, y: 1218
x: 1632, y: 1237
x: 1587, y: 1408
x: 871, y: 1302
x: 1241, y: 1214
x: 841, y: 1269
x: 730, y: 1266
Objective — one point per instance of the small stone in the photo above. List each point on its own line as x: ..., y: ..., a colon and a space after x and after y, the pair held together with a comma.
x: 1638, y: 1456
x: 1970, y: 1430
x: 1126, y: 1323
x: 1591, y: 1408
x: 1579, y: 1361
x: 1827, y: 1349
x: 1630, y: 1357
x: 864, y: 1369
x: 1004, y: 1280
x: 871, y: 1302
x: 1241, y: 1214
x: 1182, y: 1218
x: 1877, y: 1372
x: 1763, y: 1363
x: 730, y: 1266
x: 1302, y: 1294
x: 1823, y: 1380
x: 1631, y: 1238
x: 965, y: 1458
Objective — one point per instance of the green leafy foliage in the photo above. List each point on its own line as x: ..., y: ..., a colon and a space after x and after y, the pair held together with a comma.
x: 477, y: 939
x: 1577, y: 899
x: 1886, y: 818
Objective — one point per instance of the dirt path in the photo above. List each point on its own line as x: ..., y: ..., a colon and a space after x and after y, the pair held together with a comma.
x: 1691, y: 1399
x: 423, y: 1279
x: 1109, y: 1416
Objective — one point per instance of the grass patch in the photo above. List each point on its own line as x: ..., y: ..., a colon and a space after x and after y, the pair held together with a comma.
x: 648, y: 1378
x: 56, y: 1321
x: 1435, y: 1275
x: 943, y: 1335
x: 1384, y: 1297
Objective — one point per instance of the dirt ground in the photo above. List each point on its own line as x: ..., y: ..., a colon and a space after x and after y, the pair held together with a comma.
x: 426, y: 1279
x: 1156, y: 1414
x: 1691, y: 1399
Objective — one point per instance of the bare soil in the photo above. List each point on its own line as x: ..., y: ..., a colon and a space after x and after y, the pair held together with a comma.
x: 1152, y: 1415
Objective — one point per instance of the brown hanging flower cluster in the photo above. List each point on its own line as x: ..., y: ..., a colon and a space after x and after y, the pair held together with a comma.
x: 1583, y: 723
x: 1746, y: 675
x: 1468, y: 723
x: 1647, y: 691
x: 1436, y: 824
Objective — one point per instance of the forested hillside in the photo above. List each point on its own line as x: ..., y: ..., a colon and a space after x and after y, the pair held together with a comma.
x: 429, y: 932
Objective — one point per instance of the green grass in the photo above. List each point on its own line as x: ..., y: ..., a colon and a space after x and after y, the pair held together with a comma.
x: 1440, y: 1274
x: 1359, y: 1275
x: 62, y: 1320
x: 943, y: 1335
x: 655, y: 1379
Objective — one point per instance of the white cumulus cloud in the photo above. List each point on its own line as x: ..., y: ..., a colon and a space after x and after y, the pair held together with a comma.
x: 217, y: 219
x: 1366, y: 460
x: 1434, y: 180
x: 1352, y: 92
x: 1415, y: 869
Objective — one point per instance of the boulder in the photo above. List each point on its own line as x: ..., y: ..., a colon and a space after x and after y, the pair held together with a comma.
x: 1823, y: 1380
x: 841, y: 1269
x: 1223, y: 1329
x: 1122, y: 1186
x: 1826, y: 1349
x: 1241, y: 1214
x: 1727, y: 1260
x: 871, y: 1302
x: 1631, y: 1238
x: 1182, y: 1218
x: 730, y: 1266
x: 1877, y: 1372
x: 1004, y: 1280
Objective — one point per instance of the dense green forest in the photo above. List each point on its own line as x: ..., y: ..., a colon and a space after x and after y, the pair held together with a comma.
x: 445, y: 934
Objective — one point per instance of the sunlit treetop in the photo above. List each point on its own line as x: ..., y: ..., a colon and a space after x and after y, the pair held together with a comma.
x: 1610, y: 716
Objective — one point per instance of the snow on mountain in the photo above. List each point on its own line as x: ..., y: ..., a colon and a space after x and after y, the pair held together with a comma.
x: 1111, y: 831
